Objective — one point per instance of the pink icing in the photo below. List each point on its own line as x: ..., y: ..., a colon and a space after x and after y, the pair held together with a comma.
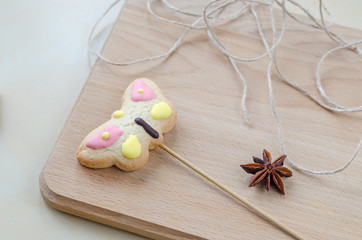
x: 146, y: 95
x: 96, y: 141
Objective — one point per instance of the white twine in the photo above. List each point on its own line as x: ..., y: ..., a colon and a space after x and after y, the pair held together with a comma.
x: 271, y: 95
x: 319, y: 82
x: 209, y: 17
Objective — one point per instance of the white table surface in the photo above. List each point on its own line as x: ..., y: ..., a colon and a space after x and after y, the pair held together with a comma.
x: 43, y: 65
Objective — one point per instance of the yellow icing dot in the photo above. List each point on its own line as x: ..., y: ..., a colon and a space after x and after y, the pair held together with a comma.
x: 131, y: 148
x: 161, y: 110
x: 105, y: 135
x: 118, y: 114
x: 140, y: 90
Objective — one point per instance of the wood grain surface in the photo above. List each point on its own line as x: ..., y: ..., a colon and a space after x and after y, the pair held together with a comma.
x: 164, y: 199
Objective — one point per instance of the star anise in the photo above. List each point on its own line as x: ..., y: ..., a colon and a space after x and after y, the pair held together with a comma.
x: 264, y: 169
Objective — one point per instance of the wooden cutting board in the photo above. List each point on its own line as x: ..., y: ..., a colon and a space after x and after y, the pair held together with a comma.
x: 164, y: 199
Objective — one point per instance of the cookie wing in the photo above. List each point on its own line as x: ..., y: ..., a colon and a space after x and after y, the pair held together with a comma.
x: 125, y: 140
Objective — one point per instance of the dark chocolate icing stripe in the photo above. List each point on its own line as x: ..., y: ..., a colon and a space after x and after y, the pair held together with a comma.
x: 152, y: 132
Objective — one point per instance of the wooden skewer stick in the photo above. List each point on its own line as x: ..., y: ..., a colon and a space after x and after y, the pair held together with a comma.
x: 233, y: 194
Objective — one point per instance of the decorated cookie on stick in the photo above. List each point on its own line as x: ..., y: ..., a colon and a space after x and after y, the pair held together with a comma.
x: 125, y: 140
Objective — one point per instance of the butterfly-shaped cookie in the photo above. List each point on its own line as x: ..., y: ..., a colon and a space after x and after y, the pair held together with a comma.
x: 125, y: 140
